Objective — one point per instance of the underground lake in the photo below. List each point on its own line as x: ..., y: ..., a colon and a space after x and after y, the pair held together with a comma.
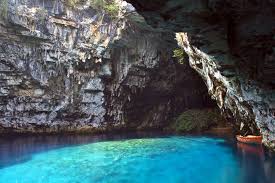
x: 137, y: 91
x: 132, y: 159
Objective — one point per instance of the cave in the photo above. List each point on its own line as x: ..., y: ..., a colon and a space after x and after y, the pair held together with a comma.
x: 234, y: 62
x: 55, y: 79
x: 172, y: 89
x: 137, y: 91
x: 95, y: 76
x: 229, y: 45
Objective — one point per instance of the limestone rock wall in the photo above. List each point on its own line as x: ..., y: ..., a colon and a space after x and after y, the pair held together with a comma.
x: 77, y: 69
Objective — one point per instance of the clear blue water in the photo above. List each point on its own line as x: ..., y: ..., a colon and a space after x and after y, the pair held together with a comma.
x: 174, y: 159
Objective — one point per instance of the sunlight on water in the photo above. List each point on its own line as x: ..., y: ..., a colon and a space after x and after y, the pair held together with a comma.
x: 167, y: 160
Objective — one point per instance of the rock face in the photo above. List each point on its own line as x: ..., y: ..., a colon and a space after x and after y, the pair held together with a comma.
x: 68, y: 68
x: 230, y: 43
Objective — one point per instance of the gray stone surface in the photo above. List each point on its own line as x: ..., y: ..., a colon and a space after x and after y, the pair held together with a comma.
x: 77, y: 69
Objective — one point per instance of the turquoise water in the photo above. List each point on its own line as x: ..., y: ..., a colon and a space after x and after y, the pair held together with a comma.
x: 146, y: 160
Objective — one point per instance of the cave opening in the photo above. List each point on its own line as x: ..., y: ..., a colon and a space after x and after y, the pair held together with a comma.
x: 228, y: 42
x: 103, y: 91
x: 173, y: 89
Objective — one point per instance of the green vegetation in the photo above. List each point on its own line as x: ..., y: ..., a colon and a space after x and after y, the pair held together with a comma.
x: 41, y: 14
x: 196, y: 120
x: 98, y: 4
x: 106, y: 6
x: 73, y: 3
x: 4, y: 9
x: 112, y: 9
x: 179, y: 54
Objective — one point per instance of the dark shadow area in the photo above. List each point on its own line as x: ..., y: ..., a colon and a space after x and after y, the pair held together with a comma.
x: 173, y: 89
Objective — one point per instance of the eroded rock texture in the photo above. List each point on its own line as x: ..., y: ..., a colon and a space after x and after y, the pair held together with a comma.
x: 230, y: 43
x: 77, y: 69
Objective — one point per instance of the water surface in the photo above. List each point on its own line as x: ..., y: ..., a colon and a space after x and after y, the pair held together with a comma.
x: 167, y: 159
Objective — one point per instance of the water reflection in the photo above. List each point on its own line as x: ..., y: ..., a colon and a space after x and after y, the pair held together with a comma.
x: 257, y: 166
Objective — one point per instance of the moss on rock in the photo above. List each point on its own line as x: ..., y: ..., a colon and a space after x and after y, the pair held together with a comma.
x: 180, y: 55
x: 3, y: 9
x: 109, y: 7
x: 197, y: 120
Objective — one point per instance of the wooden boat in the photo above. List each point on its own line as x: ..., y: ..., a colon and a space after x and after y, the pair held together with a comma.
x: 250, y: 139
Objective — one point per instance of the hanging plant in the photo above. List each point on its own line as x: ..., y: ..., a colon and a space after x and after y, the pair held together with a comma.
x: 179, y: 54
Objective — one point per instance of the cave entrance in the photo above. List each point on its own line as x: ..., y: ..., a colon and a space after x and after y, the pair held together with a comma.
x: 172, y: 89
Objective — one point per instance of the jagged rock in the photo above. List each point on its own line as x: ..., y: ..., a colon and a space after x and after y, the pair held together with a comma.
x: 78, y: 69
